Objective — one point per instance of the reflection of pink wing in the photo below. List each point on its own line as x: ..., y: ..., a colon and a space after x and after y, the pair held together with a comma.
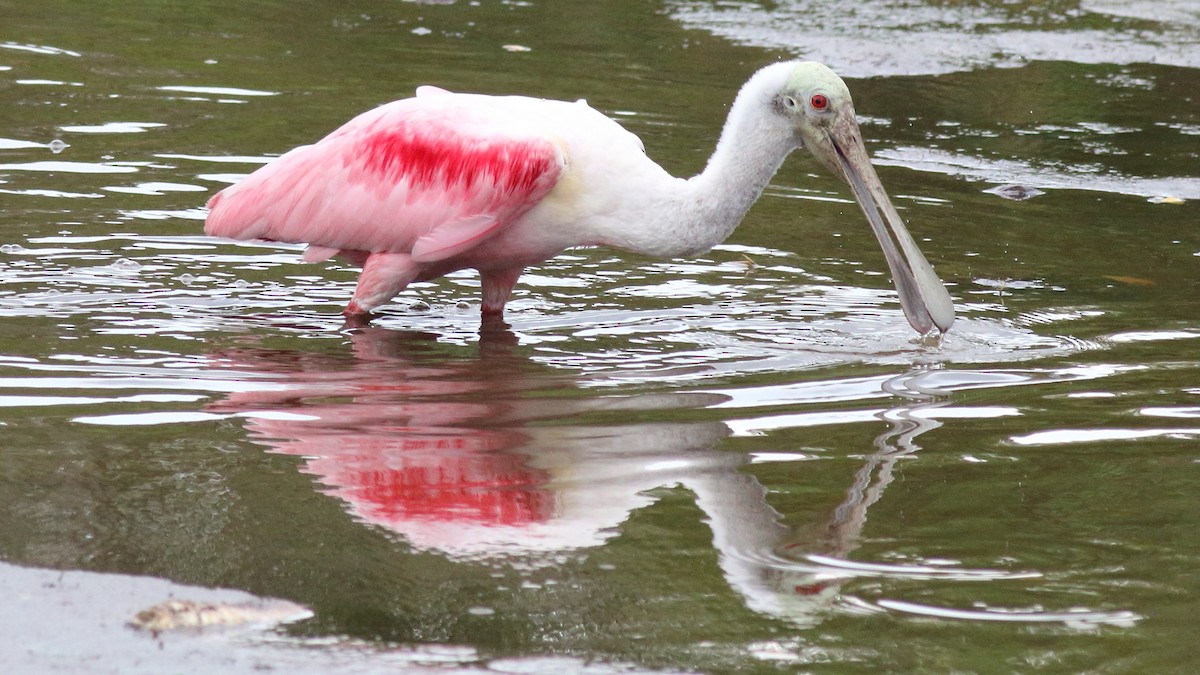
x: 439, y: 487
x: 393, y: 482
x: 445, y: 453
x: 400, y: 455
x: 432, y: 176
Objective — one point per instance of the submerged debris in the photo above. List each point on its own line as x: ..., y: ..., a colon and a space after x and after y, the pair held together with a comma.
x: 188, y: 614
x: 1132, y: 281
x: 1015, y: 192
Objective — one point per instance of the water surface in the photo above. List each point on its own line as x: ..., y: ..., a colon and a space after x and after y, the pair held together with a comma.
x: 745, y: 460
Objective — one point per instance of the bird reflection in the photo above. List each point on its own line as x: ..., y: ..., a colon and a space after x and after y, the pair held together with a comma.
x: 495, y: 455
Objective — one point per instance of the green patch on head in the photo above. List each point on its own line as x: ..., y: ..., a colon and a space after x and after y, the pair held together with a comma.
x: 807, y: 76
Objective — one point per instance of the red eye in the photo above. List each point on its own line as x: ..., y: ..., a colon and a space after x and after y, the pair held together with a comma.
x: 819, y: 102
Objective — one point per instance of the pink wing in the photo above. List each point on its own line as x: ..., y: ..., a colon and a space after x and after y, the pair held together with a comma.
x: 431, y: 176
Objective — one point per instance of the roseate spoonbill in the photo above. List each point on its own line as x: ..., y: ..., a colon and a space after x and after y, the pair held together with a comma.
x: 424, y: 186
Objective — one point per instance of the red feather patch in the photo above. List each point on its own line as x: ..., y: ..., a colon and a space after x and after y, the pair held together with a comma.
x: 433, y: 158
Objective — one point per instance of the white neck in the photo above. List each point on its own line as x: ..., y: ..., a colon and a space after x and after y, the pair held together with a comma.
x: 691, y: 216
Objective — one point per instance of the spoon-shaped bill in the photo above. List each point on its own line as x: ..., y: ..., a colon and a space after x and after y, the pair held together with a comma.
x: 923, y: 297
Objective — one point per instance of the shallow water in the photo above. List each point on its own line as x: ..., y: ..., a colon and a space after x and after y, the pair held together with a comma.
x: 741, y: 461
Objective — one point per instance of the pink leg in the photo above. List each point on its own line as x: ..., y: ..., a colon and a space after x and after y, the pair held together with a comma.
x: 497, y: 286
x: 354, y: 257
x: 383, y: 276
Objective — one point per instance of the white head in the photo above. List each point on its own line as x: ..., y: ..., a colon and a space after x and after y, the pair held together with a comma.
x: 814, y: 104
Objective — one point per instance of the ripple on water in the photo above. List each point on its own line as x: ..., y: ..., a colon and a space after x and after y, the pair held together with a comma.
x: 38, y: 49
x: 215, y: 94
x: 17, y: 144
x: 112, y: 128
x: 1000, y: 171
x: 157, y: 188
x: 917, y: 38
x: 69, y: 167
x: 1077, y: 618
x: 694, y: 326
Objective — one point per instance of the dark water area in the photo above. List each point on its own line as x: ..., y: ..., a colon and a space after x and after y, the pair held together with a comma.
x: 744, y: 461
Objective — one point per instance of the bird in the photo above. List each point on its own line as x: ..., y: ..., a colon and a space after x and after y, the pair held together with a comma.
x: 443, y: 181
